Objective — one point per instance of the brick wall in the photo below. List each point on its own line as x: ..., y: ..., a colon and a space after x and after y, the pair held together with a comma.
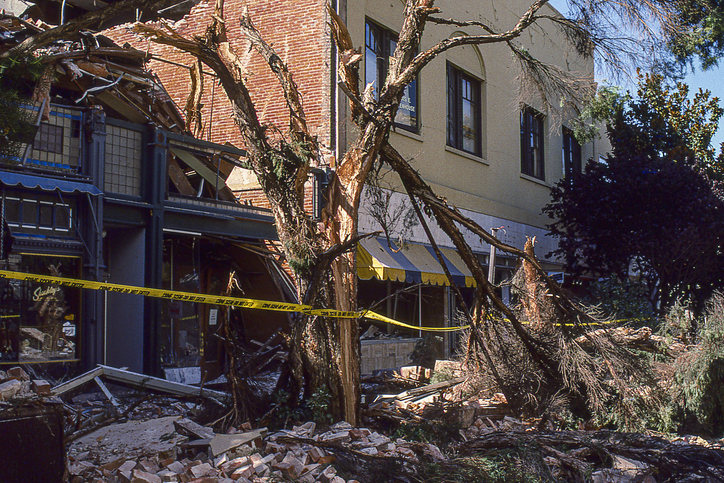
x: 298, y: 31
x: 256, y: 197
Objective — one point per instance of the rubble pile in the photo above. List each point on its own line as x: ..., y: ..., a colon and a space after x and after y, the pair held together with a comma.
x: 15, y: 382
x: 300, y: 454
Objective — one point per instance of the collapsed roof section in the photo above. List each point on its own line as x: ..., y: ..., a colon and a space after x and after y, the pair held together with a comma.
x: 60, y: 11
x: 93, y: 72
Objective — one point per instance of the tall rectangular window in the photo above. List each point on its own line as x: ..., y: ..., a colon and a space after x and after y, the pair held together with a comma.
x: 531, y: 143
x: 571, y: 154
x: 463, y: 112
x: 380, y: 44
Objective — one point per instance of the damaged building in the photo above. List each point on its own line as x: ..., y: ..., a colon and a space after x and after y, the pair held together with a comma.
x: 111, y: 187
x: 496, y: 163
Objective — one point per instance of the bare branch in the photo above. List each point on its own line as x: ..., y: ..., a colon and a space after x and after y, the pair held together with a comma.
x: 461, y: 23
x: 349, y: 58
x: 222, y: 60
x: 424, y: 58
x: 297, y: 118
x: 84, y: 22
x: 415, y: 185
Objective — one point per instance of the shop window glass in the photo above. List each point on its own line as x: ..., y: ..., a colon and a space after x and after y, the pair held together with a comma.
x: 180, y: 335
x: 40, y: 320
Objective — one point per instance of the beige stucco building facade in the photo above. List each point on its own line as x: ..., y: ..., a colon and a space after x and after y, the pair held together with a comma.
x: 489, y: 186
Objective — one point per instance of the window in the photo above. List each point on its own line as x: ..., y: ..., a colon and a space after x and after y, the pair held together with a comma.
x: 32, y: 214
x: 463, y: 112
x: 41, y: 320
x: 49, y: 138
x: 380, y: 44
x: 531, y: 143
x: 571, y: 154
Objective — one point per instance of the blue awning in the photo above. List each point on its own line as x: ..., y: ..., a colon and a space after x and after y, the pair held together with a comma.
x: 9, y: 178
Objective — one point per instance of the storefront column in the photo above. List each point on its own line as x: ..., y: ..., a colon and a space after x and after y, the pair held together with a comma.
x: 156, y: 176
x: 94, y: 267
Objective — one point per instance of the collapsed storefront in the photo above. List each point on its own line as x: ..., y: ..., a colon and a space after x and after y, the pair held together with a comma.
x: 111, y: 188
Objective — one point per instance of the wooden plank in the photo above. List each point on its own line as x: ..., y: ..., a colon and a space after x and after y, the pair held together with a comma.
x: 162, y: 385
x: 106, y: 391
x: 203, y: 171
x: 179, y: 179
x: 77, y: 382
x: 125, y: 109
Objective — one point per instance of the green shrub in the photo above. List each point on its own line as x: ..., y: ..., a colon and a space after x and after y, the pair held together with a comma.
x: 623, y: 300
x: 697, y: 392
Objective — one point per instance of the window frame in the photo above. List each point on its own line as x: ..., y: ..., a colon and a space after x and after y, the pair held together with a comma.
x: 532, y: 142
x: 385, y: 38
x: 572, y: 153
x: 455, y: 118
x: 28, y: 214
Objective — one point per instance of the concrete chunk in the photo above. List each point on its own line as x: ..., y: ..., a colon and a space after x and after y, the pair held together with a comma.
x: 222, y: 443
x: 9, y: 389
x: 204, y: 469
x: 140, y: 476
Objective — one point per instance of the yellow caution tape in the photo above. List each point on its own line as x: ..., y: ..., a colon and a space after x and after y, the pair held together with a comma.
x: 209, y: 299
x: 220, y: 300
x: 382, y: 318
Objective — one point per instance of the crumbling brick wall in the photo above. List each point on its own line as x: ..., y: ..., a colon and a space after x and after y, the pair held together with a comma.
x: 299, y: 32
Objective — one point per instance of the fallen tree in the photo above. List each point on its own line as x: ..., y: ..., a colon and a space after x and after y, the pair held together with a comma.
x: 324, y: 352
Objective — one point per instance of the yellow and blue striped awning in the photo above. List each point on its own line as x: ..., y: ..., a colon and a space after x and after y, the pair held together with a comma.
x: 414, y: 263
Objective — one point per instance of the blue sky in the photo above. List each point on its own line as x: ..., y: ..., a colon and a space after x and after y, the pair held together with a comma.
x: 712, y: 80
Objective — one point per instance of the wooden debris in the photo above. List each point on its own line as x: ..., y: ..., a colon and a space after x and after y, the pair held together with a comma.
x: 140, y: 381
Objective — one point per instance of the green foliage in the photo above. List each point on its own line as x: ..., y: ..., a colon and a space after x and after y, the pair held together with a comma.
x: 702, y: 34
x: 503, y: 467
x: 16, y: 76
x: 316, y: 408
x: 694, y: 119
x: 425, y: 353
x: 438, y: 432
x: 441, y: 376
x: 625, y: 301
x: 607, y: 101
x: 653, y: 206
x: 697, y: 393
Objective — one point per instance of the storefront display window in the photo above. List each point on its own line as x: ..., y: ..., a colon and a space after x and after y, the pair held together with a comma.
x: 39, y: 321
x: 181, y: 338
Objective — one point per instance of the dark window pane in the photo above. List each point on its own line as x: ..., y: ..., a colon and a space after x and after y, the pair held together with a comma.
x: 12, y: 211
x: 62, y: 219
x: 531, y: 149
x: 30, y: 213
x: 46, y: 215
x: 571, y: 153
x: 49, y: 138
